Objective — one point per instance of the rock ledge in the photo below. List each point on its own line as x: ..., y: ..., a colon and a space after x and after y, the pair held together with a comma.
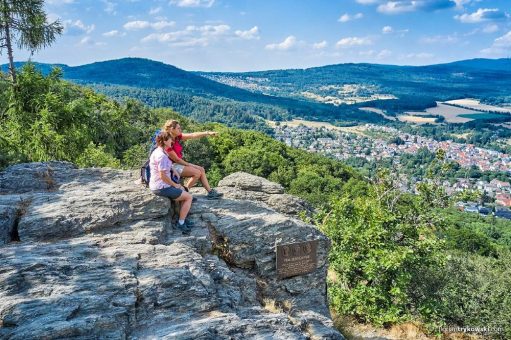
x: 88, y: 253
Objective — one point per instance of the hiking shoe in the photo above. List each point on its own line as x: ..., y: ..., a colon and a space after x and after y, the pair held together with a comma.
x: 185, y: 228
x: 213, y: 194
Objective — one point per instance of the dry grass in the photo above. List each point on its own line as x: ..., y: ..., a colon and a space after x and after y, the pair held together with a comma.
x: 277, y: 307
x: 359, y: 129
x: 354, y: 330
x: 449, y: 112
x: 332, y: 276
x: 476, y: 105
x: 272, y: 306
x: 416, y: 119
x: 461, y: 135
x: 308, y: 123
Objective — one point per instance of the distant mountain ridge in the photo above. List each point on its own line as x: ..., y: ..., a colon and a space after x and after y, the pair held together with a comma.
x: 301, y: 93
x: 475, y: 77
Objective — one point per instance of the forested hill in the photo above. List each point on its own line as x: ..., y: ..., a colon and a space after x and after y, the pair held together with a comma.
x: 242, y: 99
x: 478, y: 78
x: 158, y: 84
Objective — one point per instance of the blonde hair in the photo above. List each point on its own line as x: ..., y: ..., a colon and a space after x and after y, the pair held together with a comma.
x: 170, y: 124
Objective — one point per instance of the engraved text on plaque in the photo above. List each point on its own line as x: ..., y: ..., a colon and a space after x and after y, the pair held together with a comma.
x: 296, y: 258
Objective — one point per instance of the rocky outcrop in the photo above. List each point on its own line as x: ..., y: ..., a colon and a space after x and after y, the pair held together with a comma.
x: 88, y: 253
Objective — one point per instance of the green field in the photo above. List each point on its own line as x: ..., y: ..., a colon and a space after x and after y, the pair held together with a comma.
x: 483, y: 116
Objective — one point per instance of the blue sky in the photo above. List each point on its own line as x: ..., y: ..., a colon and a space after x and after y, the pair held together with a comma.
x: 245, y: 35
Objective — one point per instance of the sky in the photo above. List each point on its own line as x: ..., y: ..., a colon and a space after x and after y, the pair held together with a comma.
x: 252, y: 35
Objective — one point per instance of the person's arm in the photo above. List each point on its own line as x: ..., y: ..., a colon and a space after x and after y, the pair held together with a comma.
x: 167, y: 180
x: 196, y: 135
x: 173, y: 157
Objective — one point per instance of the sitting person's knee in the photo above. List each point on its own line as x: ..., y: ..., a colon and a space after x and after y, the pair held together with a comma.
x: 196, y: 173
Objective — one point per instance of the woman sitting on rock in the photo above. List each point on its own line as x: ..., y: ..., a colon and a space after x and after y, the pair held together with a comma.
x: 161, y: 183
x: 182, y: 167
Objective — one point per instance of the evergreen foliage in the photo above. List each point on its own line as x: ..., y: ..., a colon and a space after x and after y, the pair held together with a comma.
x: 24, y: 22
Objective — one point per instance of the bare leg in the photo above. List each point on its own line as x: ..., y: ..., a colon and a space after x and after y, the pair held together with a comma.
x: 186, y: 203
x: 193, y: 174
x: 204, y: 180
x: 196, y: 174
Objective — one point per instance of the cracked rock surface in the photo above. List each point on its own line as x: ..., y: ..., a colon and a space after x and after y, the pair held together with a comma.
x: 88, y: 253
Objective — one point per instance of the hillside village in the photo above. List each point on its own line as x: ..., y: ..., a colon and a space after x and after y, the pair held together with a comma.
x: 344, y: 145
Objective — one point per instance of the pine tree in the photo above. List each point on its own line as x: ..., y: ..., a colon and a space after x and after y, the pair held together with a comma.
x: 24, y: 22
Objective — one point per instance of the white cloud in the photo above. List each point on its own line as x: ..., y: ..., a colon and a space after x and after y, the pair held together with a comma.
x: 346, y: 17
x: 136, y: 25
x: 396, y: 7
x: 369, y: 53
x: 384, y: 54
x: 422, y: 55
x: 353, y: 41
x: 114, y: 33
x: 491, y: 28
x: 110, y: 7
x: 387, y: 30
x: 460, y: 3
x: 209, y: 30
x: 193, y: 3
x: 192, y: 42
x: 139, y: 25
x: 77, y: 27
x: 403, y: 6
x: 287, y: 44
x: 481, y: 15
x: 154, y: 11
x: 191, y: 36
x: 501, y: 47
x: 87, y: 41
x: 159, y: 25
x: 320, y: 45
x: 504, y: 41
x: 252, y: 33
x: 443, y: 39
x: 166, y: 37
x: 391, y: 30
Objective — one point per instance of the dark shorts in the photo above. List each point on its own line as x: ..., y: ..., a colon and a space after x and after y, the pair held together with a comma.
x: 169, y: 192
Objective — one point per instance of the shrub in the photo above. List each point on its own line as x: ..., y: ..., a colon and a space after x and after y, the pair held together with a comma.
x: 96, y: 156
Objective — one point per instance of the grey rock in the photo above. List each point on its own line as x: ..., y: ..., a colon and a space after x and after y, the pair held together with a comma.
x: 244, y: 186
x: 248, y: 182
x: 99, y: 257
x: 8, y: 216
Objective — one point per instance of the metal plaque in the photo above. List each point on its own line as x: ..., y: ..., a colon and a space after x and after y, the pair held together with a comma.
x: 296, y: 258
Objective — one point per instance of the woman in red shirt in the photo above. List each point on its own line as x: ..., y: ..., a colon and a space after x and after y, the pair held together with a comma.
x: 182, y: 167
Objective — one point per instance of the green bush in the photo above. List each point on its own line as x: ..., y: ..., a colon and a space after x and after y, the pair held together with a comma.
x: 96, y: 156
x: 376, y: 251
x: 470, y: 290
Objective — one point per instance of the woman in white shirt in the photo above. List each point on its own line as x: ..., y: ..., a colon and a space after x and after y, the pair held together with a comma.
x: 161, y: 183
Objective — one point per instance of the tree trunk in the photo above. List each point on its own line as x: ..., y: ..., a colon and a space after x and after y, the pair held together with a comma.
x: 12, y: 69
x: 8, y: 43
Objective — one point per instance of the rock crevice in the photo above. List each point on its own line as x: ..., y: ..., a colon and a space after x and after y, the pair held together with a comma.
x: 97, y: 256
